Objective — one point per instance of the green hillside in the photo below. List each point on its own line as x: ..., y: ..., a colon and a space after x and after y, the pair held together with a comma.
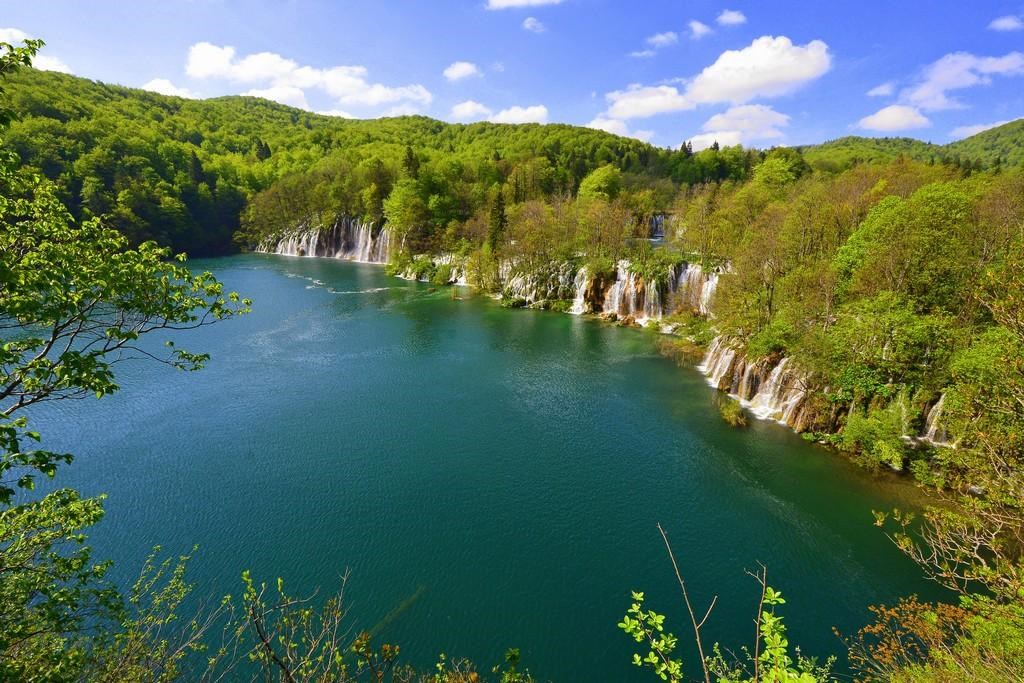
x: 180, y: 171
x: 1004, y: 143
x: 847, y: 151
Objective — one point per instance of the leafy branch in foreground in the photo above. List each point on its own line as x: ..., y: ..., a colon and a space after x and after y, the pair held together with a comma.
x: 74, y: 302
x: 771, y: 661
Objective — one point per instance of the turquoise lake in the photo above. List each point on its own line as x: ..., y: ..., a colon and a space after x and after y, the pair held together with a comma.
x: 492, y: 478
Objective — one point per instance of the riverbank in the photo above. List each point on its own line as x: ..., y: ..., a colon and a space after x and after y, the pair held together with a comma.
x: 772, y: 388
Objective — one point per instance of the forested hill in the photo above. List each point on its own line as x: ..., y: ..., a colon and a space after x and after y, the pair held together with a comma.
x: 180, y: 171
x: 1003, y: 144
x: 999, y: 146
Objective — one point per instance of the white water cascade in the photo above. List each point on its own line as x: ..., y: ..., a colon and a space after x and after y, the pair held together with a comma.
x: 770, y: 390
x: 582, y: 283
x: 458, y: 273
x: 656, y: 226
x: 934, y: 433
x: 550, y: 283
x: 687, y: 287
x: 349, y: 238
x: 697, y: 287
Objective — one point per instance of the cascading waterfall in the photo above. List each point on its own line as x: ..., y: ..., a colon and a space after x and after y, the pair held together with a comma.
x: 707, y: 292
x: 550, y: 283
x: 697, y: 287
x: 582, y: 283
x: 718, y: 362
x: 687, y: 286
x: 770, y: 390
x: 656, y: 226
x: 349, y: 238
x: 627, y: 298
x: 299, y: 243
x: 934, y: 433
x: 781, y: 396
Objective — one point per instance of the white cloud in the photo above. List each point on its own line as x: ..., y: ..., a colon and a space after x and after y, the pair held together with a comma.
x: 534, y: 24
x: 165, y: 87
x: 511, y: 4
x: 638, y: 101
x: 968, y: 131
x: 883, y: 90
x: 752, y: 121
x: 339, y: 113
x: 206, y: 60
x: 730, y: 17
x: 1007, y: 23
x: 15, y: 36
x: 285, y: 81
x: 264, y: 66
x: 768, y: 67
x: 698, y: 29
x: 402, y: 110
x: 723, y: 138
x: 893, y: 118
x: 537, y: 113
x: 377, y: 94
x: 642, y: 54
x: 956, y: 71
x: 285, y: 94
x: 663, y: 39
x: 616, y: 127
x: 459, y: 70
x: 740, y: 125
x: 48, y: 63
x: 470, y: 111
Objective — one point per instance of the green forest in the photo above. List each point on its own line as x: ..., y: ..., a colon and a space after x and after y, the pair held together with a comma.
x: 890, y: 271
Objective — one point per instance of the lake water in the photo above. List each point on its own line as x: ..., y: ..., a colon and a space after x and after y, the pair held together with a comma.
x: 492, y: 478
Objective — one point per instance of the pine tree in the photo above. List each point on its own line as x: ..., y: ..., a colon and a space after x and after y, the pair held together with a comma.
x: 196, y: 169
x: 262, y: 150
x: 411, y: 163
x: 498, y: 221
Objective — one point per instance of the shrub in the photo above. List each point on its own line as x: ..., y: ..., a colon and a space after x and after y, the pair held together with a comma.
x: 732, y: 412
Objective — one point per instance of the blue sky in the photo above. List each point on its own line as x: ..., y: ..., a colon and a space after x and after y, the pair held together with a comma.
x: 760, y: 73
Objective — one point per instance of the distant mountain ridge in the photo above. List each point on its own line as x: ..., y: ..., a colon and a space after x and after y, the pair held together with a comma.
x: 1003, y: 145
x: 182, y: 171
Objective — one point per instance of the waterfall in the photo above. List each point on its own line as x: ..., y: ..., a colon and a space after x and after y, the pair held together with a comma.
x: 582, y: 284
x: 631, y: 298
x: 302, y: 242
x: 770, y: 391
x: 934, y: 433
x: 708, y: 292
x: 718, y: 362
x: 550, y: 282
x: 696, y: 288
x: 656, y: 226
x: 349, y: 238
x: 780, y: 396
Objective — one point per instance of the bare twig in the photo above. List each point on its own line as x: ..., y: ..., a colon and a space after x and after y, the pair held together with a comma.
x: 689, y: 607
x: 762, y: 578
